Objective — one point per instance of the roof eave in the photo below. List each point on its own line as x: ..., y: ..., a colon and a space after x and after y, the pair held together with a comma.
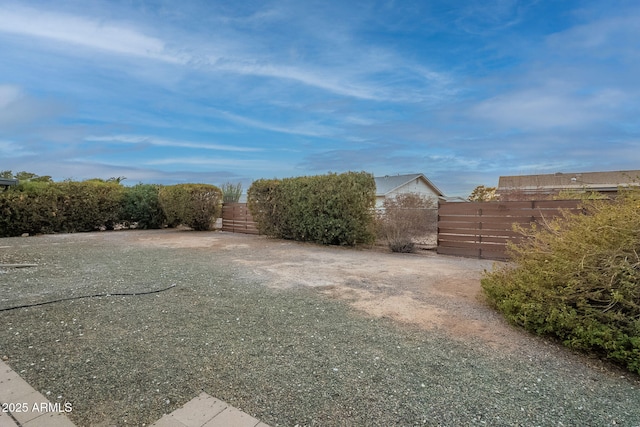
x: 415, y: 176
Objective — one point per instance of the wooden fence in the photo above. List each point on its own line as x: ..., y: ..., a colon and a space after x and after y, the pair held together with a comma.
x: 483, y: 229
x: 236, y: 218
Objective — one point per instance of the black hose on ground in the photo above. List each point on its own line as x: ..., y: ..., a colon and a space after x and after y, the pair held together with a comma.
x: 120, y: 294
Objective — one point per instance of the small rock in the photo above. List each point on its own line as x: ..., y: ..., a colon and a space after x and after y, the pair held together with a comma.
x: 24, y: 235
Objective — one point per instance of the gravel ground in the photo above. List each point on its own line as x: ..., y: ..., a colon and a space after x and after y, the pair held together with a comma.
x: 286, y: 356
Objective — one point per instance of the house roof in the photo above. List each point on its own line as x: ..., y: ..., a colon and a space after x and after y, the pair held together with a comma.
x: 596, y: 181
x: 387, y: 184
x: 5, y: 182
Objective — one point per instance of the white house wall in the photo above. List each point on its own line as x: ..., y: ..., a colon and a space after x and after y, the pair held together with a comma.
x: 417, y: 186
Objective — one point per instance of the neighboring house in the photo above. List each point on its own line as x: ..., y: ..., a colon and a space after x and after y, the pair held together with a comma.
x: 5, y: 183
x: 391, y: 185
x: 531, y: 186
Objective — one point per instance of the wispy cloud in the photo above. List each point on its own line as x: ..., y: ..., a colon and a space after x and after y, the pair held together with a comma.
x: 369, y: 80
x: 481, y: 17
x: 10, y: 149
x: 374, y: 75
x: 307, y: 77
x: 220, y: 162
x: 9, y: 95
x: 19, y: 109
x: 82, y: 31
x: 605, y: 36
x: 581, y: 77
x: 547, y: 108
x: 161, y: 142
x: 307, y: 128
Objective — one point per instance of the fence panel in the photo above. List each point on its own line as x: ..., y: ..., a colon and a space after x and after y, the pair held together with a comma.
x: 482, y: 229
x: 236, y: 218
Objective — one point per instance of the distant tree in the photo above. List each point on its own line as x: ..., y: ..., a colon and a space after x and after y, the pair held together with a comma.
x: 117, y: 179
x: 112, y: 180
x: 26, y: 176
x: 483, y: 194
x: 231, y: 192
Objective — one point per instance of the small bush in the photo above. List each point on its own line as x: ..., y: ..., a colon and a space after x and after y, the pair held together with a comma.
x: 402, y: 245
x: 141, y: 205
x: 406, y: 218
x: 194, y: 205
x: 578, y: 279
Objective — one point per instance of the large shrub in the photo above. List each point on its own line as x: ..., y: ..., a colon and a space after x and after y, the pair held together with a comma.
x: 32, y: 208
x: 334, y: 209
x: 194, y: 205
x: 263, y: 200
x: 89, y: 205
x: 578, y: 279
x: 173, y: 200
x: 45, y: 207
x: 141, y: 205
x: 406, y: 218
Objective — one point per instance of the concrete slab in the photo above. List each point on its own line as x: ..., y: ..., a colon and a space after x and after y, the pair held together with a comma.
x: 30, y: 408
x: 168, y: 421
x: 232, y: 417
x: 199, y: 410
x: 12, y: 386
x: 6, y: 420
x: 49, y: 420
x: 207, y: 411
x: 27, y: 403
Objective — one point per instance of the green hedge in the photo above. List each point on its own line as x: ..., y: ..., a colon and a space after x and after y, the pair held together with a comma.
x: 30, y: 208
x: 89, y: 205
x: 38, y: 207
x: 194, y: 205
x: 141, y: 205
x: 335, y: 209
x: 578, y: 280
x: 47, y: 207
x: 263, y: 200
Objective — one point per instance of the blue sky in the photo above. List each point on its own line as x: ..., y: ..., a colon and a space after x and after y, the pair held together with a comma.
x: 213, y: 91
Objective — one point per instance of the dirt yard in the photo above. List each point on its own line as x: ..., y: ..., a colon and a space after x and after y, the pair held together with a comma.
x: 424, y: 289
x: 130, y: 325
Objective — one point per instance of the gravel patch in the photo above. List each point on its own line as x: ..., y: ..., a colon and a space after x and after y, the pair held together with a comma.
x: 285, y: 356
